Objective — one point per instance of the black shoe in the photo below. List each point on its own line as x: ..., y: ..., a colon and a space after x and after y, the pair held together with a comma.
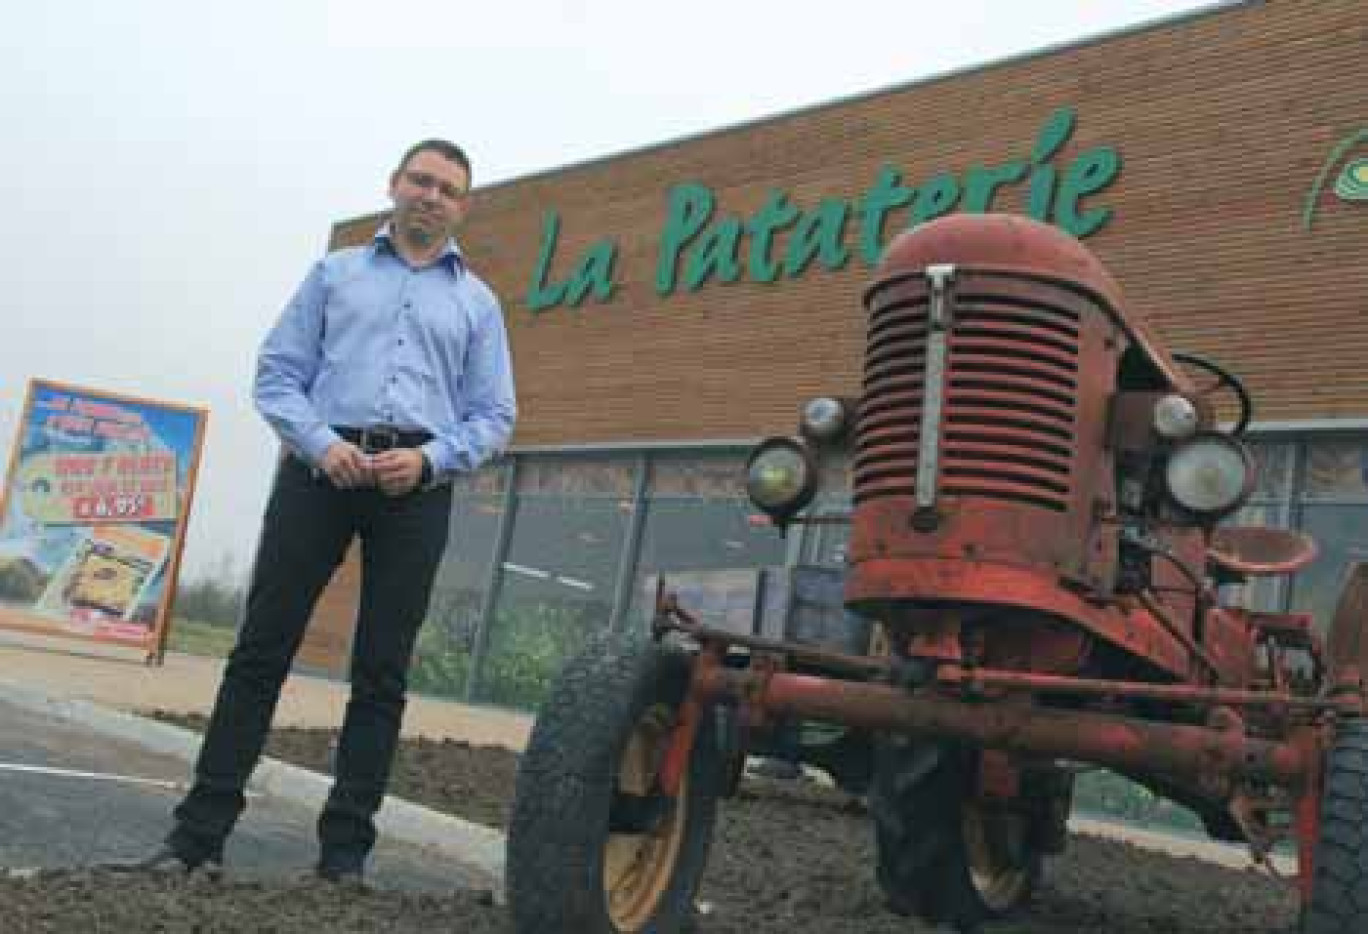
x: 169, y: 861
x: 341, y: 872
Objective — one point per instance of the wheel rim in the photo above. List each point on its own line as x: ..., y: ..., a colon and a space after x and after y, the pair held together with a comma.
x: 638, y: 868
x: 998, y: 856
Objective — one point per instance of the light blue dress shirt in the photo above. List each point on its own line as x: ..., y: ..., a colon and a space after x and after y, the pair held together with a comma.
x: 370, y: 341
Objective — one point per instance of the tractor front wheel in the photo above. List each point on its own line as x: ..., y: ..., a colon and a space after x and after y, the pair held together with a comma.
x: 943, y: 855
x: 594, y: 845
x: 1339, y: 893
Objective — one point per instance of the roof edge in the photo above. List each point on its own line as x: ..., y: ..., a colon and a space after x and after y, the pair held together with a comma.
x: 1163, y: 22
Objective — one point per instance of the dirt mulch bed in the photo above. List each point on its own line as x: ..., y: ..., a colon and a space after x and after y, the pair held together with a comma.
x: 117, y: 903
x: 787, y: 858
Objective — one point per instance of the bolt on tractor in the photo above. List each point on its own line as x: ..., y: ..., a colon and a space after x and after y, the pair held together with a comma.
x: 1038, y: 491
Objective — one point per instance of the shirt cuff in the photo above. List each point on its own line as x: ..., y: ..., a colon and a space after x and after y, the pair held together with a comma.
x: 433, y: 452
x: 317, y: 442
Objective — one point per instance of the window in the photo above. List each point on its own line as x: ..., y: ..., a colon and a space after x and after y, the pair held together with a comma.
x: 1333, y: 509
x: 567, y: 542
x: 1267, y: 507
x: 558, y: 579
x: 441, y: 658
x: 826, y: 540
x: 703, y: 535
x: 1341, y: 531
x: 1272, y: 469
x: 1258, y: 593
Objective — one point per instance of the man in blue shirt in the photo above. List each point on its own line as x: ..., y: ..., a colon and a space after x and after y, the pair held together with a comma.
x: 386, y: 375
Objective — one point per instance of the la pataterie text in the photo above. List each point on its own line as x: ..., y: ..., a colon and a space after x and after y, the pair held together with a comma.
x: 699, y: 243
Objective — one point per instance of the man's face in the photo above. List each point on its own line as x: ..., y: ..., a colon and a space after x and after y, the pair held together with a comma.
x: 430, y: 194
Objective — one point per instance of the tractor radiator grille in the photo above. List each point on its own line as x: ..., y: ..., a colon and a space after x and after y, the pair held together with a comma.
x: 1009, y: 411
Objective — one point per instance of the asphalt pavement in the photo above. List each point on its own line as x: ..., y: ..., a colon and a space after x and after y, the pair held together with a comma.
x: 73, y: 797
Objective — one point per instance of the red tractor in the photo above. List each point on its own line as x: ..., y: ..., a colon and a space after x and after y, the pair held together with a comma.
x: 1038, y: 488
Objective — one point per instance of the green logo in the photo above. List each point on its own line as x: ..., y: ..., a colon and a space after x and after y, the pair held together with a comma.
x: 1350, y: 182
x: 1352, y: 185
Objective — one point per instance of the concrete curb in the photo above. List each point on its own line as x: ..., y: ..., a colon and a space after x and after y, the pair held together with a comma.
x: 1229, y: 855
x: 474, y: 847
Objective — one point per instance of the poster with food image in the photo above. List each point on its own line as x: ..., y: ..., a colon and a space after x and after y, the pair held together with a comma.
x: 106, y: 577
x: 94, y: 511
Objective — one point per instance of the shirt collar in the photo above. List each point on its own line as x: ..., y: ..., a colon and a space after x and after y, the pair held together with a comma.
x: 451, y: 256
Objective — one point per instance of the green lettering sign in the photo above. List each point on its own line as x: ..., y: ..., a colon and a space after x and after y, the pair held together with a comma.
x: 542, y: 295
x: 774, y: 215
x: 818, y: 235
x: 935, y: 197
x: 593, y: 273
x: 690, y: 207
x: 698, y: 245
x: 885, y: 195
x: 1089, y: 173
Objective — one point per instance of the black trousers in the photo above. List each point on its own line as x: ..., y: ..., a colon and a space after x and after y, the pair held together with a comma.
x: 308, y: 527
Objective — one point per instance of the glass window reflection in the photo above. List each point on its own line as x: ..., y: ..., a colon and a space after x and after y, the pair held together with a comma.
x: 556, y: 582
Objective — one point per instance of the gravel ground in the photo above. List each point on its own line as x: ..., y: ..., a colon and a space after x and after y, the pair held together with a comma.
x: 787, y: 858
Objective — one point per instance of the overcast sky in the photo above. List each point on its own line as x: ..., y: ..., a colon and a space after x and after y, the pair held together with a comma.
x: 170, y: 167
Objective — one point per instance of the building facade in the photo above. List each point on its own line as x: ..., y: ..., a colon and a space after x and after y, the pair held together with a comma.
x: 669, y: 306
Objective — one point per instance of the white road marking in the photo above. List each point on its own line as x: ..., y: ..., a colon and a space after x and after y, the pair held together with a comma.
x: 97, y: 776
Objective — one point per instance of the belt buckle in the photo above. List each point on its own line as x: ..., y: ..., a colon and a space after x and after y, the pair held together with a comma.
x: 378, y: 440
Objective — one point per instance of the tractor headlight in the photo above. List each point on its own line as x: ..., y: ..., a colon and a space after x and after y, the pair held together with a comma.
x: 1175, y: 417
x: 781, y: 477
x: 1210, y: 474
x: 824, y: 419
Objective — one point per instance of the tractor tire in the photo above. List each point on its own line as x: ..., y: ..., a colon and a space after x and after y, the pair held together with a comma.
x: 592, y: 846
x: 1339, y: 892
x: 848, y: 759
x: 941, y: 856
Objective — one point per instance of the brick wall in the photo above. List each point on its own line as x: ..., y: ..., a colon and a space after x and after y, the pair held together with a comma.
x: 1222, y: 120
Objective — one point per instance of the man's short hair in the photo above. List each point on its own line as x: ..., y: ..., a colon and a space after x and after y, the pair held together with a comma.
x: 444, y: 148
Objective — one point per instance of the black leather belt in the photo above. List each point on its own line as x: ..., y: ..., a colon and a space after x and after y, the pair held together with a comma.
x: 375, y: 440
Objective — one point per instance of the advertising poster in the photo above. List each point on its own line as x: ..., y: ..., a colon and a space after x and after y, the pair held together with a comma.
x: 93, y: 514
